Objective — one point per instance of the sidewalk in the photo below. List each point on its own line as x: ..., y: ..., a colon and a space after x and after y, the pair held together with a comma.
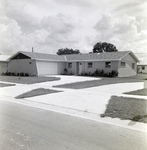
x: 87, y: 103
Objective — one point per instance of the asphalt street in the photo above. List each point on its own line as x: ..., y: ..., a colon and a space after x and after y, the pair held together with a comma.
x: 27, y: 128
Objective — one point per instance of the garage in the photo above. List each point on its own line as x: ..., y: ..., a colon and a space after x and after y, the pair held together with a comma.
x: 46, y: 68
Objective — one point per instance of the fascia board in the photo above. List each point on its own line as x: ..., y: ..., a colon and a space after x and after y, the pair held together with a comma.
x: 49, y: 60
x: 92, y: 60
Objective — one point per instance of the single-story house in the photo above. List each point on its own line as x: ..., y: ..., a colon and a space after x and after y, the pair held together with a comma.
x: 124, y: 62
x: 4, y: 59
x: 142, y: 68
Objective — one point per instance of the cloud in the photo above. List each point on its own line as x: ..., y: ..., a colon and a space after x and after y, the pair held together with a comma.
x: 60, y: 23
x: 18, y: 12
x: 122, y: 32
x: 78, y: 24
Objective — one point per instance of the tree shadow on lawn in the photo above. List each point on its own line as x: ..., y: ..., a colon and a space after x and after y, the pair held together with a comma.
x: 36, y: 92
x: 5, y: 84
x: 127, y: 109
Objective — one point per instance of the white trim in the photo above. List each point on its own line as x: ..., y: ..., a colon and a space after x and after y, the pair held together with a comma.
x: 92, y: 60
x: 50, y: 60
x: 125, y: 55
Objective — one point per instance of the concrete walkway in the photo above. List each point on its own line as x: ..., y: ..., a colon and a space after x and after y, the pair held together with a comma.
x: 86, y: 103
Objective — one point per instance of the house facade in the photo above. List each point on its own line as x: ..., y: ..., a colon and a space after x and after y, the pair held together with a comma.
x: 39, y: 64
x: 4, y: 63
x: 142, y: 68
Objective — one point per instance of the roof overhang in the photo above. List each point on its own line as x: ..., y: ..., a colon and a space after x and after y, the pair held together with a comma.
x: 92, y: 60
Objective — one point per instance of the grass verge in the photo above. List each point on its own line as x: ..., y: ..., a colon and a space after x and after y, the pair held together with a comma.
x: 127, y: 109
x: 142, y: 92
x: 5, y: 84
x: 36, y: 92
x: 93, y: 83
x: 27, y: 80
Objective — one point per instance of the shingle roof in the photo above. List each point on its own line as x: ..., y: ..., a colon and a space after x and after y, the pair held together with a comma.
x: 43, y: 56
x: 77, y: 57
x: 97, y: 56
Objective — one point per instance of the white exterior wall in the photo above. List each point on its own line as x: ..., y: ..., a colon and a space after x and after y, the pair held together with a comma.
x: 127, y: 70
x: 61, y: 67
x: 140, y: 70
x: 3, y: 67
x: 73, y: 69
x: 22, y: 65
x: 100, y: 65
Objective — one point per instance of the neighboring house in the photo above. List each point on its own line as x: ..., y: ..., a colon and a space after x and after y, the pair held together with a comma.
x: 124, y: 62
x: 142, y: 68
x: 4, y: 59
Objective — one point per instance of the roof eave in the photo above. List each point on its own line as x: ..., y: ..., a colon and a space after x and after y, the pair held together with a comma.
x: 92, y: 60
x: 50, y: 60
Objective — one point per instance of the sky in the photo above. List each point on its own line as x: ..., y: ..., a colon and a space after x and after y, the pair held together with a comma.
x: 48, y: 25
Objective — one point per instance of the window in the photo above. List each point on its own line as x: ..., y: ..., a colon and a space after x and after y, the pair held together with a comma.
x: 123, y: 64
x: 133, y: 65
x: 143, y: 68
x: 4, y: 65
x: 90, y: 65
x: 69, y: 65
x: 108, y: 65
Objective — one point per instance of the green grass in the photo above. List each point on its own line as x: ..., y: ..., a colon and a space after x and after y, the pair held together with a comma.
x: 142, y: 92
x: 36, y: 92
x: 93, y: 83
x: 127, y: 109
x: 5, y: 84
x: 27, y: 80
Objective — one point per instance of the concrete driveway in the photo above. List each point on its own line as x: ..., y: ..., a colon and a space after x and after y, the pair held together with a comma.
x: 93, y: 100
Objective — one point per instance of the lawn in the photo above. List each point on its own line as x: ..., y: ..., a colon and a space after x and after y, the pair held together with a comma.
x: 127, y: 109
x: 36, y: 92
x: 27, y: 80
x: 5, y: 84
x: 93, y: 83
x: 142, y: 92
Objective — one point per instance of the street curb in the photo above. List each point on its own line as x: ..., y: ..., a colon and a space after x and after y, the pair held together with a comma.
x: 128, y: 124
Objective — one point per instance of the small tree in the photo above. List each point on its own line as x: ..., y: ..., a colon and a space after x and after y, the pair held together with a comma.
x: 101, y: 47
x: 66, y: 51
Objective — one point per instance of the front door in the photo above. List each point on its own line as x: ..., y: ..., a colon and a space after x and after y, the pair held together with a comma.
x: 80, y: 67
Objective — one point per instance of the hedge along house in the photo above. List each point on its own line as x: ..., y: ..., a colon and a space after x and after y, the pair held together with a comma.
x: 4, y: 59
x: 123, y: 62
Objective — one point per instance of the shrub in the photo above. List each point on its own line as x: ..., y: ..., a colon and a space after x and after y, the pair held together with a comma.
x: 13, y: 74
x: 26, y: 74
x: 114, y: 73
x: 21, y: 74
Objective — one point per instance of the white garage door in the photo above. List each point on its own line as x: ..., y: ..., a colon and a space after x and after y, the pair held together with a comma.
x: 45, y: 68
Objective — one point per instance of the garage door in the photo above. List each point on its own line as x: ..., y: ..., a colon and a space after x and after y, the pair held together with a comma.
x: 45, y: 68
